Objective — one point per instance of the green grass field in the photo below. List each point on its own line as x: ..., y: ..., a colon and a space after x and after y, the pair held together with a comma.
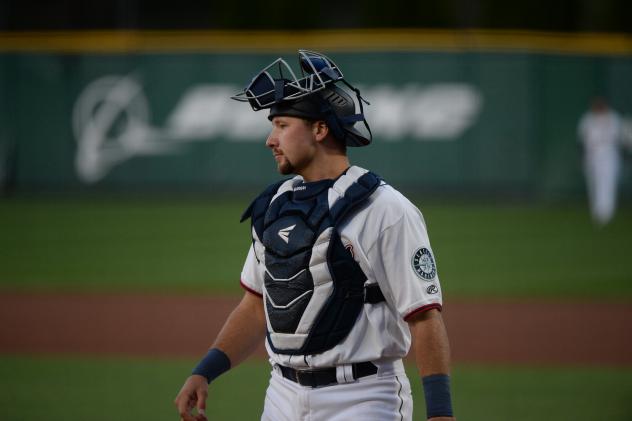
x: 120, y: 390
x: 196, y: 245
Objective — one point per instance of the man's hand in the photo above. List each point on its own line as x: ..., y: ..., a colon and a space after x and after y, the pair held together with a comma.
x: 244, y: 329
x: 442, y: 419
x: 192, y: 395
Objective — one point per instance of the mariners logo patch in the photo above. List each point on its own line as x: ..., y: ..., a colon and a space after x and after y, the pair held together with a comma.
x: 424, y: 265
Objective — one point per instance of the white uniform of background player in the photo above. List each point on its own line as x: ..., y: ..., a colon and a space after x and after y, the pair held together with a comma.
x: 599, y: 131
x: 384, y: 237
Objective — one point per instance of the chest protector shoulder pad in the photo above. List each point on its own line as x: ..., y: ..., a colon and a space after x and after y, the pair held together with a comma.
x: 313, y: 288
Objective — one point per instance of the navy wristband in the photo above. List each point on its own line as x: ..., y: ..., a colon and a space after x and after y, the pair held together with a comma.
x: 437, y: 393
x: 212, y: 365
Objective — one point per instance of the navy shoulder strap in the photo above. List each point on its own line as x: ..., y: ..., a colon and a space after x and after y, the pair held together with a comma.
x: 355, y: 195
x: 257, y: 209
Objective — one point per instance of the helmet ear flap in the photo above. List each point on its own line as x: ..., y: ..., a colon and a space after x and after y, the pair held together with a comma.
x: 333, y: 123
x: 339, y: 109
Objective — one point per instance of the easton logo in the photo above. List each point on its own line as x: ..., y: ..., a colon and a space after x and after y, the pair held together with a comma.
x: 284, y: 233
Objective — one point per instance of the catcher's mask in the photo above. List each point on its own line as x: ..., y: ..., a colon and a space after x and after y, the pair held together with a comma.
x: 315, y: 96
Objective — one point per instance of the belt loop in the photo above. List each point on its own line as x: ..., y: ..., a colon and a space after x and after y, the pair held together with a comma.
x: 348, y: 370
x: 344, y: 373
x: 340, y: 374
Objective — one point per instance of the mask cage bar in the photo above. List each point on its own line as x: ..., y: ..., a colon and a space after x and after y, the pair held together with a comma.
x: 294, y: 88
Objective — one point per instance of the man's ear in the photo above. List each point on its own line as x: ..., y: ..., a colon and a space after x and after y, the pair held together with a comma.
x: 320, y: 130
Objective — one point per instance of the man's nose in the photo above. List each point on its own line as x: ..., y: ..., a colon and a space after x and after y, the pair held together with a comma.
x: 271, y: 141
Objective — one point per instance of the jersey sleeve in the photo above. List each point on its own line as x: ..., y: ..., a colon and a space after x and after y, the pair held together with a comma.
x: 404, y: 265
x: 252, y: 273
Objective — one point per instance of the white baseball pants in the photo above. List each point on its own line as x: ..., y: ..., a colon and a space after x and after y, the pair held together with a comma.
x: 380, y: 397
x: 601, y: 166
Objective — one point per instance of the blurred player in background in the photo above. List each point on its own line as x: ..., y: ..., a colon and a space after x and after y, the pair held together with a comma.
x: 599, y: 132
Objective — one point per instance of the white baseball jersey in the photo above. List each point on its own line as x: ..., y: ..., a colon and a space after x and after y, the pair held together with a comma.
x: 388, y: 238
x: 600, y: 130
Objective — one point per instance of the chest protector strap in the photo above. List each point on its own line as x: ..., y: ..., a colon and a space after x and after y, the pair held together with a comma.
x: 314, y: 289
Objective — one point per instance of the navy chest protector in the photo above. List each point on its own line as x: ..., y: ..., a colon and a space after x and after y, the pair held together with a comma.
x: 314, y: 289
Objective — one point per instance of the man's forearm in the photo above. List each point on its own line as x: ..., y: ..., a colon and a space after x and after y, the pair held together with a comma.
x: 431, y: 345
x: 243, y: 330
x: 432, y: 354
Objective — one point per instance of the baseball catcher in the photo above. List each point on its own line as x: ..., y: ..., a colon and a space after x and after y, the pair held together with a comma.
x: 340, y: 278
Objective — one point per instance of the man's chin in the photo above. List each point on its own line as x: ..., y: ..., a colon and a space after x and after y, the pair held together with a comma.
x: 285, y: 168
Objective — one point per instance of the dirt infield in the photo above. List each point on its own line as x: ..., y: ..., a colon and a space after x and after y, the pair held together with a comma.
x: 505, y: 331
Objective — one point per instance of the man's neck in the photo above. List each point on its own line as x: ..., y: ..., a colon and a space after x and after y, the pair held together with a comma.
x: 329, y: 168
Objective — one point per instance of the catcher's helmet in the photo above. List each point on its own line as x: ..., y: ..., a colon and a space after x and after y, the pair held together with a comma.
x: 314, y: 97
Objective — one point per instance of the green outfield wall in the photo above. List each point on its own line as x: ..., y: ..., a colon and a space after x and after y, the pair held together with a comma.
x: 457, y: 119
